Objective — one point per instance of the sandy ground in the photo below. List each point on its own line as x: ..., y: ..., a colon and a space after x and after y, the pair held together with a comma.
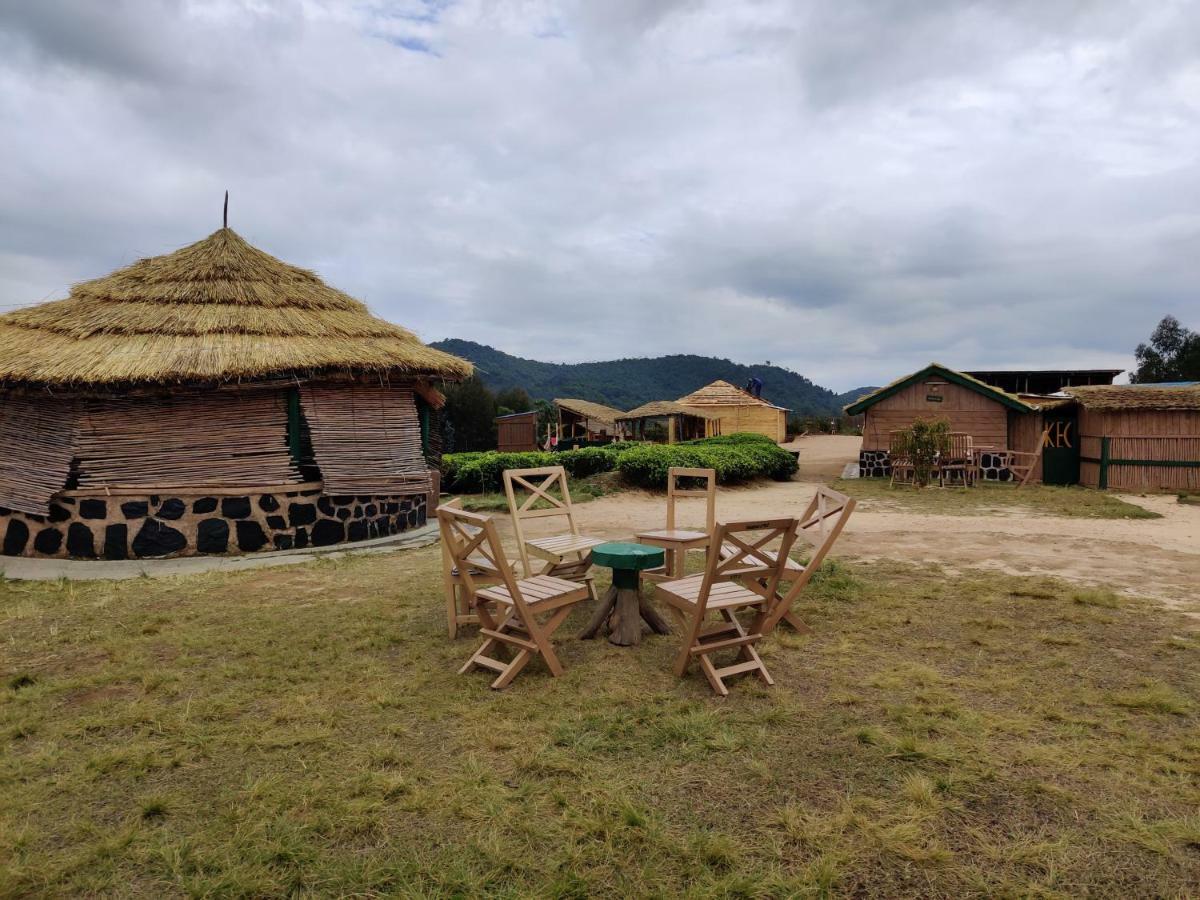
x: 1157, y: 558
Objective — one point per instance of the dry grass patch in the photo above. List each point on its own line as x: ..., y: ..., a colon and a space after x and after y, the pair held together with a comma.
x: 303, y: 730
x: 995, y: 499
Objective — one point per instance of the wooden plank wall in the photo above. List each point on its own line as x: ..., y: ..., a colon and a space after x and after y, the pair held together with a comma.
x: 1024, y: 434
x: 36, y: 439
x: 1169, y: 435
x: 982, y: 418
x: 515, y: 434
x: 749, y: 417
x: 190, y: 440
x: 367, y: 438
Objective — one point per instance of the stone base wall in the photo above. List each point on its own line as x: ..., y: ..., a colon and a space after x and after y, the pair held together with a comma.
x: 992, y: 468
x: 876, y: 464
x: 177, y: 525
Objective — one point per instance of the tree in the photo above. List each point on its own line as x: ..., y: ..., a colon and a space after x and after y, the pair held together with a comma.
x: 513, y: 400
x: 1173, y: 354
x: 471, y: 414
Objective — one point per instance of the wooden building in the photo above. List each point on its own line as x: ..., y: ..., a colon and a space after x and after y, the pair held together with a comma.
x: 996, y: 420
x: 582, y: 420
x: 739, y: 410
x: 667, y: 421
x: 212, y: 400
x: 1139, y: 437
x: 517, y: 432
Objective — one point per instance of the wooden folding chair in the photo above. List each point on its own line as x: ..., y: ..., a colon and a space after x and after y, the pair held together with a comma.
x: 959, y: 460
x: 567, y: 555
x: 718, y: 590
x: 460, y: 604
x: 1022, y: 462
x: 510, y: 612
x: 823, y: 520
x: 678, y: 541
x: 904, y: 471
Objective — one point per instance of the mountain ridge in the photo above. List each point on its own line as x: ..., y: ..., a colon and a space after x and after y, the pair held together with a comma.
x: 626, y: 383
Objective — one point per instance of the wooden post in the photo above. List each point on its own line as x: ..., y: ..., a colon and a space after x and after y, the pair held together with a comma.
x: 670, y: 429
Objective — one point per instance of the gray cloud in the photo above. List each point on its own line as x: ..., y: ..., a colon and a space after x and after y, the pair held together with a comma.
x: 848, y: 188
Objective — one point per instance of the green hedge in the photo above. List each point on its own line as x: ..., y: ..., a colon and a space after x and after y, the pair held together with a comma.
x: 734, y: 462
x: 735, y: 457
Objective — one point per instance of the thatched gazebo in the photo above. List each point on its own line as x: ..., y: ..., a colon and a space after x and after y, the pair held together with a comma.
x: 211, y: 400
x: 583, y: 420
x: 678, y: 422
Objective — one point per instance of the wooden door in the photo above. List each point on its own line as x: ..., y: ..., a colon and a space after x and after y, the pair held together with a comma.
x: 1060, y: 448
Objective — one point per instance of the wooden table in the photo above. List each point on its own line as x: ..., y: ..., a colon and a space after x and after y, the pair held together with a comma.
x: 623, y: 607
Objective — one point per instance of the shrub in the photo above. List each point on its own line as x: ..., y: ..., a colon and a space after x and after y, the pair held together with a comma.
x: 587, y: 461
x: 923, y: 441
x: 452, y: 464
x: 734, y: 460
x: 483, y: 471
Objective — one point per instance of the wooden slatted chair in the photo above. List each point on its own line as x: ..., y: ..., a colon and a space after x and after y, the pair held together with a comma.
x: 568, y: 554
x: 900, y: 459
x: 678, y: 541
x: 822, y: 523
x: 460, y: 605
x: 959, y: 460
x: 514, y: 615
x: 718, y: 590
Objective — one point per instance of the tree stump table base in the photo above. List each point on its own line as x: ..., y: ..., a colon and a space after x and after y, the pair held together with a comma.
x: 623, y: 609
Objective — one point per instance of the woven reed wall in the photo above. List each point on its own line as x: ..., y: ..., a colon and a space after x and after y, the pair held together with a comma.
x: 190, y: 440
x: 367, y: 439
x: 36, y: 437
x: 1167, y: 435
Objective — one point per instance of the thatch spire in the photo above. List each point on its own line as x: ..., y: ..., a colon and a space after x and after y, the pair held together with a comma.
x: 218, y: 309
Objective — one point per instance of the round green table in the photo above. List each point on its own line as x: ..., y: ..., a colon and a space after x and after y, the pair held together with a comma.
x: 624, y: 607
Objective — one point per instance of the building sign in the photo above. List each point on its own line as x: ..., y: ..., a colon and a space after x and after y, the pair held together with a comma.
x: 1058, y: 435
x: 933, y: 398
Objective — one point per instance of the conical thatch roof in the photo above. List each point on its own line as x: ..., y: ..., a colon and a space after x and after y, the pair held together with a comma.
x: 656, y: 408
x: 722, y: 393
x: 218, y: 309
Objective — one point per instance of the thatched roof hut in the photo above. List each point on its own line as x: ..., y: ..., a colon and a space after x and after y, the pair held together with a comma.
x: 213, y: 399
x: 739, y: 410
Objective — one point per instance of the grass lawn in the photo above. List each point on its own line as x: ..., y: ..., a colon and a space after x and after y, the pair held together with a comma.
x: 302, y: 729
x: 990, y: 498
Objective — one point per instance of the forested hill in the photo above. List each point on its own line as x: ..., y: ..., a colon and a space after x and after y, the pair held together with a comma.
x: 626, y: 383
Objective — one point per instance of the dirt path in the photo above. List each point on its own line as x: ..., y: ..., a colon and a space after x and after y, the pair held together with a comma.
x: 1158, y: 558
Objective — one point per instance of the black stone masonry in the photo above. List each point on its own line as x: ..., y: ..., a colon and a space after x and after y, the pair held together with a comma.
x: 174, y: 525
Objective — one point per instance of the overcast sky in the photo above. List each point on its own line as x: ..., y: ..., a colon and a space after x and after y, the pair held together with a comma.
x: 850, y: 189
